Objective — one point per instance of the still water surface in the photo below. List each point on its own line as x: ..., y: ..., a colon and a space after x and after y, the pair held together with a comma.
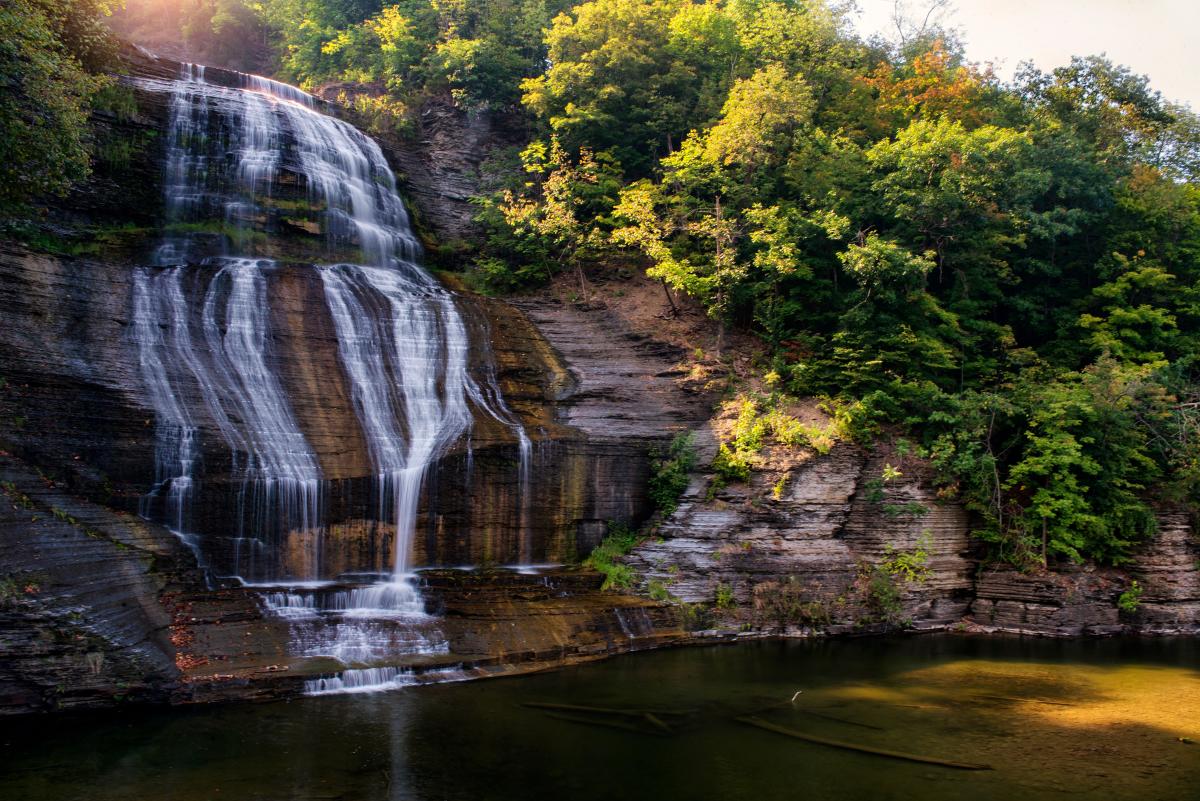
x: 1055, y: 720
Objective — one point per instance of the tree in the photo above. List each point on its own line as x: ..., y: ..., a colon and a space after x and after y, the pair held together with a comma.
x: 50, y: 57
x: 935, y: 83
x: 612, y: 82
x: 758, y: 120
x: 550, y: 223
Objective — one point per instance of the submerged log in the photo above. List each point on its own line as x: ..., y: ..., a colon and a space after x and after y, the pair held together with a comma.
x: 863, y: 749
x: 604, y: 710
x: 604, y: 722
x: 656, y: 722
x: 1023, y: 700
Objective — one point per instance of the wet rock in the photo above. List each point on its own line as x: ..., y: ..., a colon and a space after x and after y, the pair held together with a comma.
x: 81, y: 623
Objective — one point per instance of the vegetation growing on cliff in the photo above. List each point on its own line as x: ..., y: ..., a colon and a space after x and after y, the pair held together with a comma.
x: 669, y: 469
x: 1011, y: 271
x: 605, y: 557
x: 1008, y: 270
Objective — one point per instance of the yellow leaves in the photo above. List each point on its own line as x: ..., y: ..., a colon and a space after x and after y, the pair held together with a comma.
x: 758, y: 118
x: 337, y: 44
x: 392, y: 28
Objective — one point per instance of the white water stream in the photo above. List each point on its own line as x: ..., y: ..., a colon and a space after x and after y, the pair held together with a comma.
x: 400, y: 339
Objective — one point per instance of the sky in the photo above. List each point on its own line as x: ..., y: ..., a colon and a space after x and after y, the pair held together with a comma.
x: 1158, y: 38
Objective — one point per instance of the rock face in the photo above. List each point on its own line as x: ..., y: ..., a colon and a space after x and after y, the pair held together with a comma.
x: 1083, y: 600
x: 1168, y: 570
x: 74, y: 408
x: 98, y: 606
x: 812, y: 545
x: 81, y: 621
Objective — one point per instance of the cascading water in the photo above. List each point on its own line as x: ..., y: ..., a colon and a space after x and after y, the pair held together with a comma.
x: 400, y: 340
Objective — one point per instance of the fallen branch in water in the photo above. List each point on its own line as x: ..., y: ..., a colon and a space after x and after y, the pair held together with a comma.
x: 762, y: 724
x: 656, y: 722
x: 1024, y: 700
x: 610, y: 724
x: 604, y: 710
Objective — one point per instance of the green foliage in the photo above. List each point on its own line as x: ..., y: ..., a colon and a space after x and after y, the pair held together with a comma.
x: 881, y: 585
x: 669, y: 472
x: 52, y: 53
x: 549, y: 221
x: 749, y: 430
x: 780, y: 486
x: 910, y: 509
x: 227, y: 33
x: 474, y: 51
x: 880, y: 592
x: 657, y: 590
x: 614, y: 81
x: 908, y: 566
x: 723, y: 597
x: 604, y: 557
x: 731, y: 465
x: 1131, y: 599
x: 1081, y: 453
x: 759, y: 421
x: 1009, y: 274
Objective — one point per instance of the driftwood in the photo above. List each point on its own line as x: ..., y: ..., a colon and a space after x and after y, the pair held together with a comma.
x: 656, y: 722
x: 604, y: 710
x: 604, y: 722
x: 1023, y: 700
x: 762, y: 724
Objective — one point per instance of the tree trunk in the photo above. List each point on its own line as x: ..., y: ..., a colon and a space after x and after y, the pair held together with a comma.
x: 1044, y: 562
x: 670, y: 300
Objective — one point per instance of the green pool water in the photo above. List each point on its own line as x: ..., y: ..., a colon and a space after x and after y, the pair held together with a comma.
x: 1084, y: 719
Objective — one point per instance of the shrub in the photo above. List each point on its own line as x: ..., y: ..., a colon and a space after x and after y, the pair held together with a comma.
x: 657, y: 590
x: 620, y: 540
x: 880, y: 592
x: 731, y: 465
x: 1130, y: 600
x: 783, y: 603
x: 669, y: 472
x: 910, y: 566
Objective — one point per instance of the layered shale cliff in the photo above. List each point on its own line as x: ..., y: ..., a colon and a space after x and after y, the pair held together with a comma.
x: 77, y: 413
x: 98, y: 604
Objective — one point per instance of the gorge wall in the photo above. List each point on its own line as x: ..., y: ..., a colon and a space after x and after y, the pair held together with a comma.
x: 98, y: 605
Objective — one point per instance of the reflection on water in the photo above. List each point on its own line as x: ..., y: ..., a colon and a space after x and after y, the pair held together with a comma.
x: 1080, y: 719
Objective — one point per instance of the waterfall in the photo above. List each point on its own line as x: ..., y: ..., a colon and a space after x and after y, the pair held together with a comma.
x: 202, y: 327
x: 283, y: 469
x: 414, y: 326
